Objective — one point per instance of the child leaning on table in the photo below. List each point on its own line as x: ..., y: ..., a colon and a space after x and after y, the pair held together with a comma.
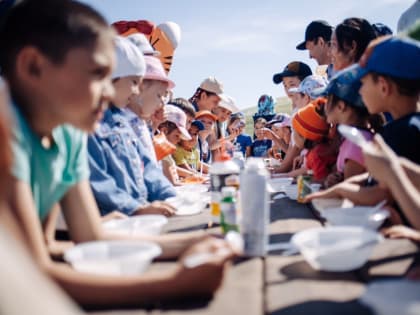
x: 311, y: 133
x: 66, y: 70
x: 346, y: 107
x: 118, y: 161
x: 391, y: 85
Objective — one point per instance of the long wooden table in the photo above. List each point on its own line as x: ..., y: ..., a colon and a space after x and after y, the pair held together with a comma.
x: 284, y: 285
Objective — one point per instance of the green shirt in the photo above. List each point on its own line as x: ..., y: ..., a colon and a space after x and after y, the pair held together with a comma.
x: 50, y: 172
x: 182, y: 156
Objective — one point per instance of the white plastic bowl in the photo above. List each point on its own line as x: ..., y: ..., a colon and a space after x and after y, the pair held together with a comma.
x: 188, y: 204
x: 112, y: 257
x: 291, y: 191
x: 148, y: 224
x: 363, y: 216
x: 340, y: 248
x: 279, y: 184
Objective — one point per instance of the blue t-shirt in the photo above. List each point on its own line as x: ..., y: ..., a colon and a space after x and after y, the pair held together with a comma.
x: 244, y: 142
x: 403, y: 136
x: 50, y: 172
x: 259, y: 148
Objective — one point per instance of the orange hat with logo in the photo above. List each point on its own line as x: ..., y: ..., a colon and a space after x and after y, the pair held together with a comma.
x: 206, y: 113
x: 309, y: 123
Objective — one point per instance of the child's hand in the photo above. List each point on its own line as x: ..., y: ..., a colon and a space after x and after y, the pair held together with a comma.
x: 401, y: 231
x: 114, y: 215
x: 297, y: 162
x: 378, y: 160
x: 157, y: 207
x: 203, y: 265
x: 333, y: 179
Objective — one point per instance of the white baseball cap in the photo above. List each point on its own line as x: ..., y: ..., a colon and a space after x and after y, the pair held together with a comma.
x: 178, y: 117
x: 130, y: 60
x: 228, y: 103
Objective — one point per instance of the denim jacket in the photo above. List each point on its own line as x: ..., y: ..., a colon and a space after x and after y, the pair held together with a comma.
x: 118, y: 169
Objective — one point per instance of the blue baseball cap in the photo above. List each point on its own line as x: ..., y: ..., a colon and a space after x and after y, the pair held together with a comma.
x: 345, y: 85
x: 198, y: 124
x: 394, y: 56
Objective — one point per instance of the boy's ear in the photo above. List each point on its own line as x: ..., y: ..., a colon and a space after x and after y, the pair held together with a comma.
x: 29, y: 63
x: 385, y: 86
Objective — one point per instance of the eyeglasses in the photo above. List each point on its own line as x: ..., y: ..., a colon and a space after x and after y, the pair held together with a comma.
x: 142, y: 26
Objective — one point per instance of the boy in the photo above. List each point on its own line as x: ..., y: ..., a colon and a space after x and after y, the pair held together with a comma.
x: 261, y: 145
x: 292, y: 75
x: 60, y: 77
x: 392, y: 85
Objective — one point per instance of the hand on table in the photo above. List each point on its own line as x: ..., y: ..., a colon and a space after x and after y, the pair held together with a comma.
x: 401, y: 231
x: 157, y: 207
x: 205, y: 278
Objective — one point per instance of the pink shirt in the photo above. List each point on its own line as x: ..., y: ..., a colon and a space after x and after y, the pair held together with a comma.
x: 351, y: 151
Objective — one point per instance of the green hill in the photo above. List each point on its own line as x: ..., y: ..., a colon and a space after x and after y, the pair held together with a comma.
x: 283, y: 105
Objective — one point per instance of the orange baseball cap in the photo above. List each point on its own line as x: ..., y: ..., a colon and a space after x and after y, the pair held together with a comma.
x: 207, y: 113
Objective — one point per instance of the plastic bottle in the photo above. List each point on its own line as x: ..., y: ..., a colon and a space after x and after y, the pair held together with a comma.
x: 223, y: 172
x: 255, y: 207
x: 303, y: 186
x: 228, y: 207
x: 238, y: 158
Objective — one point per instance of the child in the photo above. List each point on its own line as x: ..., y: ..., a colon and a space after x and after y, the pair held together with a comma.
x: 261, y: 145
x: 345, y: 106
x: 174, y: 130
x: 208, y: 120
x: 292, y: 75
x: 282, y: 129
x: 243, y: 140
x: 388, y: 85
x: 311, y: 131
x: 304, y: 93
x: 66, y: 70
x: 187, y: 155
x: 186, y: 107
x: 208, y: 95
x: 119, y: 163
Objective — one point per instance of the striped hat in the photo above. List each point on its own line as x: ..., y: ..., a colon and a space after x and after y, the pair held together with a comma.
x: 310, y: 124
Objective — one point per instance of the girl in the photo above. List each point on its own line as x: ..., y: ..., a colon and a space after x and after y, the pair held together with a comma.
x: 187, y: 155
x: 208, y: 120
x: 66, y: 70
x: 345, y: 106
x: 261, y: 145
x: 349, y: 40
x: 311, y: 131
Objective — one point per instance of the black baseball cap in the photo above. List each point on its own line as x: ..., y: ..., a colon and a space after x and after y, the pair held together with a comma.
x: 315, y: 29
x: 293, y: 69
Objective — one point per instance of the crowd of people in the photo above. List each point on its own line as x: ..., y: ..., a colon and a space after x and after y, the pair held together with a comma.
x: 90, y: 128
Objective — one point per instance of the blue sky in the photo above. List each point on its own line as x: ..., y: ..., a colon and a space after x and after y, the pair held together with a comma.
x: 241, y: 42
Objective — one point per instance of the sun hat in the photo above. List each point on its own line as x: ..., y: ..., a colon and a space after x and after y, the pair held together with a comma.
x: 178, y: 117
x: 130, y: 60
x: 345, y: 86
x: 308, y: 123
x: 394, y: 56
x: 315, y: 29
x: 155, y: 71
x: 285, y: 122
x: 211, y: 84
x: 228, y: 103
x: 279, y: 118
x: 309, y: 84
x: 205, y: 113
x: 294, y: 68
x: 143, y: 44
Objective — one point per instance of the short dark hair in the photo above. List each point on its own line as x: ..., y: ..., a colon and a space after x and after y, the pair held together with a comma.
x: 406, y: 87
x: 354, y: 29
x: 184, y: 105
x: 54, y: 27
